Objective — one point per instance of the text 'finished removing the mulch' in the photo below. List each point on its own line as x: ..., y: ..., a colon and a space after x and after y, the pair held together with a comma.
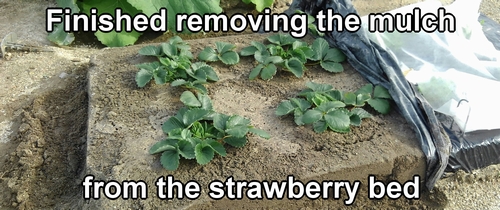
x: 297, y: 24
x: 168, y: 188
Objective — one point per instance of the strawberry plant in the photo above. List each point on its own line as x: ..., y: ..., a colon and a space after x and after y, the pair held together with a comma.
x: 198, y: 132
x: 174, y: 66
x: 223, y: 52
x: 324, y: 107
x: 291, y: 55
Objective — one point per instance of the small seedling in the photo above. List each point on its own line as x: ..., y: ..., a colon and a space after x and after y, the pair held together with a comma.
x: 223, y: 52
x: 287, y: 53
x: 174, y: 66
x: 324, y: 107
x: 198, y: 132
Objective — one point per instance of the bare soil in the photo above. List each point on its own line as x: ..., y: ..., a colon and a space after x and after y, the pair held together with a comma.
x: 44, y: 140
x: 126, y: 121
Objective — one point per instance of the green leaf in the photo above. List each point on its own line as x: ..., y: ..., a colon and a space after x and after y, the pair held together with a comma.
x: 275, y: 50
x: 311, y: 116
x: 223, y: 47
x: 255, y: 71
x: 301, y: 103
x: 355, y: 120
x: 237, y: 131
x: 181, y: 112
x: 320, y: 46
x: 170, y: 159
x: 237, y: 126
x: 194, y: 141
x: 336, y: 95
x: 308, y: 52
x: 236, y: 142
x: 246, y: 51
x: 217, y: 147
x: 58, y: 35
x: 317, y: 87
x: 194, y: 115
x: 299, y: 55
x: 319, y: 99
x: 209, y: 71
x: 367, y: 89
x: 273, y: 59
x: 260, y: 47
x: 380, y: 105
x: 260, y: 56
x: 361, y: 99
x: 350, y: 98
x: 220, y: 121
x: 260, y: 132
x: 186, y: 133
x: 178, y: 82
x: 200, y: 88
x: 361, y: 113
x: 208, y: 54
x: 200, y: 7
x: 297, y: 116
x: 320, y: 126
x: 230, y: 58
x: 197, y: 131
x: 338, y: 121
x: 295, y: 66
x: 160, y: 76
x: 186, y: 149
x: 381, y: 92
x: 198, y: 75
x: 162, y: 146
x: 169, y: 49
x: 151, y: 51
x: 237, y: 120
x: 113, y: 38
x: 206, y: 102
x: 179, y: 43
x: 171, y: 124
x: 185, y: 53
x: 284, y: 108
x: 204, y: 153
x: 330, y: 105
x: 268, y: 72
x: 281, y: 39
x: 143, y: 77
x: 169, y: 63
x: 335, y: 55
x: 189, y: 99
x: 297, y: 44
x: 331, y: 66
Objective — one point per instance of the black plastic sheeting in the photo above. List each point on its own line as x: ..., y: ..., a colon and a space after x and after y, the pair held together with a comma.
x: 444, y: 149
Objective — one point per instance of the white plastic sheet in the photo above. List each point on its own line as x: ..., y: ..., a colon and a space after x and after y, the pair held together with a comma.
x: 450, y: 67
